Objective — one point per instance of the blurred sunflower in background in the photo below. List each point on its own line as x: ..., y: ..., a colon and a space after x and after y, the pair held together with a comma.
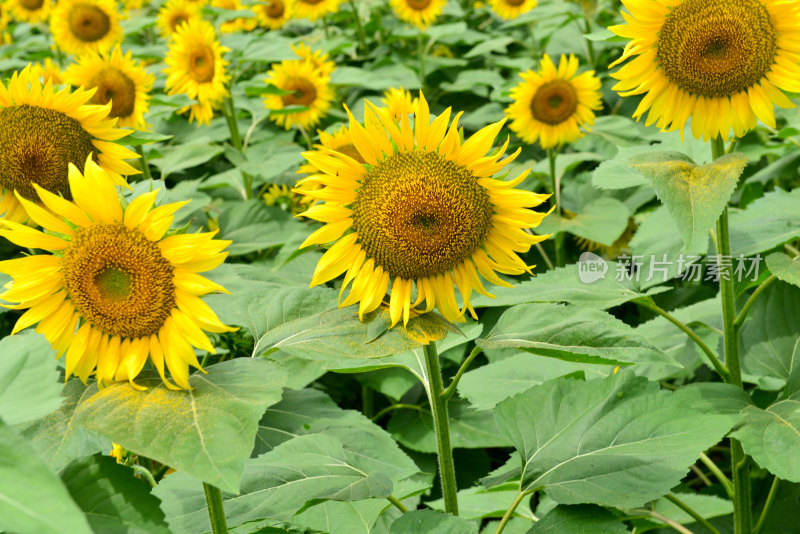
x: 195, y: 67
x: 550, y: 106
x: 319, y: 59
x: 338, y: 141
x: 306, y: 86
x: 130, y: 5
x: 511, y: 9
x: 273, y: 14
x: 722, y: 63
x: 314, y: 9
x: 420, y: 13
x: 42, y: 131
x: 120, y: 80
x: 399, y: 102
x: 28, y: 10
x: 238, y: 23
x: 424, y: 212
x: 174, y: 13
x: 47, y: 71
x: 131, y: 292
x: 83, y: 26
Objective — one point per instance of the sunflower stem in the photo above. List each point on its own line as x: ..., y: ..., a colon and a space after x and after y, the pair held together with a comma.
x: 510, y: 512
x: 145, y: 165
x: 589, y: 45
x: 451, y: 389
x: 773, y: 492
x: 362, y: 36
x: 229, y: 111
x: 325, y: 27
x: 558, y: 242
x: 216, y: 513
x: 421, y: 57
x: 441, y: 425
x: 692, y: 512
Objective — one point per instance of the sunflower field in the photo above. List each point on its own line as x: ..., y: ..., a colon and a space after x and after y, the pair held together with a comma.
x: 400, y: 266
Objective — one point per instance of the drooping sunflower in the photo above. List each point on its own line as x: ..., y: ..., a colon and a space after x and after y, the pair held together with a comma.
x: 273, y: 14
x: 399, y: 102
x: 722, y: 63
x: 511, y: 9
x: 239, y: 23
x: 338, y: 141
x: 120, y: 80
x: 43, y: 130
x: 130, y: 292
x: 28, y: 10
x: 314, y: 9
x: 551, y: 105
x: 319, y: 59
x: 47, y: 71
x: 83, y: 26
x: 424, y: 211
x: 174, y: 13
x: 309, y: 88
x: 420, y: 13
x: 195, y: 67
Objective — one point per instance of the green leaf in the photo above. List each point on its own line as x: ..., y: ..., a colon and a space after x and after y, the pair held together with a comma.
x: 695, y: 195
x: 253, y: 226
x: 32, y: 498
x: 772, y: 438
x: 29, y: 385
x: 617, y: 441
x: 431, y: 522
x: 304, y: 470
x: 179, y: 157
x: 206, y: 432
x: 714, y: 397
x: 579, y: 519
x: 784, y: 267
x: 478, y: 502
x: 571, y: 333
x: 708, y: 506
x: 112, y: 498
x: 770, y: 221
x: 602, y: 220
x: 378, y: 79
x: 138, y: 137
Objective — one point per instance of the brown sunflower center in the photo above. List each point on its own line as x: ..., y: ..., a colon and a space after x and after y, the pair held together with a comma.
x: 274, y: 9
x: 118, y: 280
x: 88, y: 23
x: 514, y: 3
x: 178, y: 19
x: 36, y: 146
x: 418, y: 5
x: 418, y: 214
x: 303, y: 92
x: 350, y: 150
x: 717, y: 48
x: 311, y: 2
x: 201, y: 63
x: 554, y: 102
x: 113, y: 85
x: 31, y: 5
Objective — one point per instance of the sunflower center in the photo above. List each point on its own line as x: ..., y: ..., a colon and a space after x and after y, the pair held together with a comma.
x: 418, y: 214
x: 303, y: 92
x: 36, y: 146
x: 113, y: 85
x: 274, y: 9
x: 31, y: 5
x: 118, y: 280
x: 554, y: 102
x: 350, y: 150
x: 312, y: 2
x: 515, y: 3
x: 717, y: 48
x: 178, y: 19
x: 201, y: 63
x: 419, y: 5
x: 88, y: 23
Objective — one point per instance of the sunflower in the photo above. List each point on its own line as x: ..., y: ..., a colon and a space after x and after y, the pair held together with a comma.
x: 83, y: 26
x: 306, y: 86
x: 273, y: 14
x: 552, y: 104
x: 43, y: 130
x: 174, y: 13
x: 195, y: 67
x: 721, y: 62
x: 423, y: 211
x: 511, y: 9
x: 28, y: 10
x: 47, y: 71
x: 399, y: 102
x: 319, y: 59
x: 130, y: 292
x: 119, y: 80
x: 420, y: 13
x: 237, y: 24
x: 131, y: 5
x: 4, y: 18
x: 314, y: 9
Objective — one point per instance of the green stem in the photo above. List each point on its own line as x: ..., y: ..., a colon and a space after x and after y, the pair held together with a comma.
x: 421, y: 57
x: 725, y: 481
x: 773, y: 492
x: 396, y: 502
x: 554, y: 187
x: 393, y: 407
x: 229, y: 111
x: 216, y: 513
x: 325, y: 28
x: 146, y: 474
x: 510, y: 512
x: 749, y: 304
x: 589, y: 45
x: 446, y: 394
x: 441, y: 425
x: 306, y: 137
x: 367, y: 401
x: 145, y: 165
x: 362, y: 36
x: 697, y: 517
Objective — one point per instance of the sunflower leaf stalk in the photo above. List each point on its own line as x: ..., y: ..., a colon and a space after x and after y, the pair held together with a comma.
x: 362, y: 36
x: 216, y: 511
x: 229, y: 111
x: 558, y: 242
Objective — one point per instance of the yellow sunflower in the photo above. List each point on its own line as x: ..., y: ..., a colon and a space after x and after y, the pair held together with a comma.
x: 399, y: 102
x: 195, y: 67
x: 511, y: 9
x: 237, y: 24
x: 722, y: 63
x: 130, y: 292
x: 119, y: 80
x: 319, y: 59
x: 309, y: 88
x: 4, y: 18
x: 314, y: 9
x: 130, y: 5
x: 28, y: 10
x: 552, y: 104
x: 420, y: 13
x: 43, y: 130
x: 83, y: 26
x: 47, y: 71
x: 423, y: 211
x: 273, y: 14
x: 174, y: 13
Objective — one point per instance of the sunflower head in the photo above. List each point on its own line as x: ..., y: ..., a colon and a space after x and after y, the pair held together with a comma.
x: 83, y: 26
x: 314, y: 9
x: 319, y: 59
x: 306, y: 86
x: 420, y: 13
x: 114, y: 290
x: 511, y: 9
x: 174, y: 13
x: 551, y: 105
x: 239, y: 23
x: 399, y: 102
x: 273, y: 14
x: 28, y: 10
x: 421, y: 214
x: 720, y: 63
x: 47, y: 71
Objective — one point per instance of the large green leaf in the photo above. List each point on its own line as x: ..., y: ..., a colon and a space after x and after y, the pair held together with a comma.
x: 253, y: 226
x: 571, y: 333
x: 602, y: 220
x: 178, y: 157
x: 431, y: 522
x: 617, y: 441
x: 772, y: 437
x: 206, y: 432
x: 579, y: 519
x: 29, y: 385
x: 32, y: 498
x: 784, y: 267
x: 304, y: 470
x: 770, y: 221
x: 478, y: 502
x: 112, y: 498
